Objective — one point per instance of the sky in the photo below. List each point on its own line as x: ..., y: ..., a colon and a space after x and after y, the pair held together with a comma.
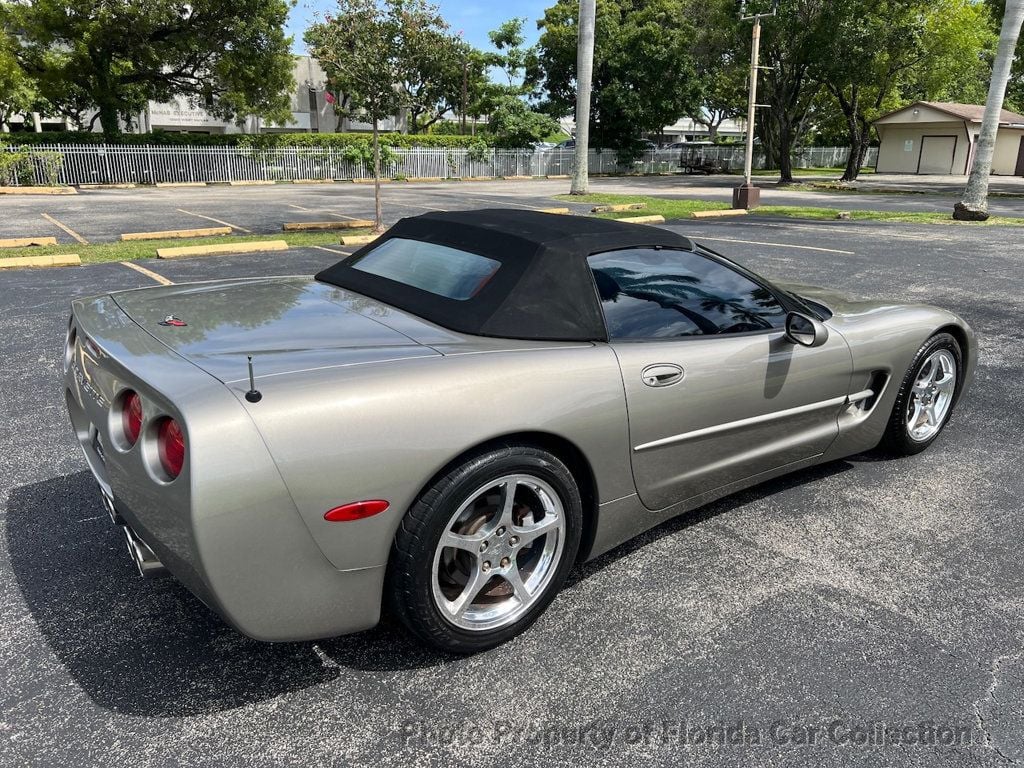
x: 474, y: 18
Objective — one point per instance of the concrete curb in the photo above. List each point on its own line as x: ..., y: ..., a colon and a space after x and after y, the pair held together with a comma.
x: 415, y: 179
x: 310, y: 226
x: 220, y: 249
x: 618, y: 207
x: 557, y: 176
x: 38, y: 191
x: 358, y: 239
x: 170, y: 234
x: 21, y: 242
x: 562, y: 211
x: 517, y: 178
x: 656, y: 219
x: 312, y: 181
x: 127, y: 185
x: 477, y: 178
x: 251, y: 183
x: 717, y: 214
x: 164, y: 184
x: 55, y: 260
x: 370, y: 181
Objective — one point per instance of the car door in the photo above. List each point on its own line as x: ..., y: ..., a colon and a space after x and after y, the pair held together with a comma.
x: 715, y: 392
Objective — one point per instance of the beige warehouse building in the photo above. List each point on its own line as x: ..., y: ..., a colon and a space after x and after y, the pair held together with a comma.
x: 930, y: 137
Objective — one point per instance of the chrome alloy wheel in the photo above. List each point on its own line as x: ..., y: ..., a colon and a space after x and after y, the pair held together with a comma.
x: 931, y: 396
x: 498, y: 553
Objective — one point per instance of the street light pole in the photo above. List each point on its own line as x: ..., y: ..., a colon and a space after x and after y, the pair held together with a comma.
x: 747, y: 196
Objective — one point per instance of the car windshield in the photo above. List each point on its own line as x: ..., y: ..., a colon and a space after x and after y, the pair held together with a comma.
x: 434, y: 268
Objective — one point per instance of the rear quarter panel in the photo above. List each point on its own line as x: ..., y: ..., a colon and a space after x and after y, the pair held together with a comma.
x: 382, y: 431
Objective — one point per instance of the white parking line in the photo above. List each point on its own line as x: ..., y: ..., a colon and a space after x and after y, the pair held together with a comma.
x: 66, y: 228
x: 403, y: 204
x: 332, y: 250
x: 148, y: 273
x: 499, y: 203
x: 216, y: 221
x: 773, y: 245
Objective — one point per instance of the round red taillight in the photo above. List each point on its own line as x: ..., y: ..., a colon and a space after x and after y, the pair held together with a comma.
x: 171, y: 447
x: 131, y: 417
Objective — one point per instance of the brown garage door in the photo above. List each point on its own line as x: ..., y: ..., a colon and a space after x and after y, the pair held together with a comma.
x: 937, y: 154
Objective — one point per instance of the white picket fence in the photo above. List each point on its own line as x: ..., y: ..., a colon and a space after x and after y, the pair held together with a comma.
x: 147, y: 164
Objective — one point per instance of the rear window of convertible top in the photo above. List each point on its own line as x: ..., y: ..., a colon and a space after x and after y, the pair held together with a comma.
x: 434, y: 268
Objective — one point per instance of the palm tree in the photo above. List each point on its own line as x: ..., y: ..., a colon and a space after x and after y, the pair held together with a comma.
x: 584, y: 74
x: 974, y: 206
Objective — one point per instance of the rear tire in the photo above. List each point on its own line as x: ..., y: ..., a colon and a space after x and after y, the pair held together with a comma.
x: 485, y: 549
x: 927, y: 396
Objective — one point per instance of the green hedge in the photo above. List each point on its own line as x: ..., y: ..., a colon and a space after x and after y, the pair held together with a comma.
x: 262, y: 141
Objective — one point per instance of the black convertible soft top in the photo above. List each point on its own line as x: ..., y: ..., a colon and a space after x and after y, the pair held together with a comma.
x: 542, y: 290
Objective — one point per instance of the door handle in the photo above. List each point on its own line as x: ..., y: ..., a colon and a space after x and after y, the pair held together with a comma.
x: 661, y: 375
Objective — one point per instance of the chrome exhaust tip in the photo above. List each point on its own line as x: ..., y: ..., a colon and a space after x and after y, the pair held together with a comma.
x: 145, y: 560
x: 108, y: 504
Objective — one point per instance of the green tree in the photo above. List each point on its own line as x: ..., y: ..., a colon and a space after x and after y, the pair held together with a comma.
x: 517, y: 61
x: 722, y: 62
x: 885, y: 52
x: 514, y: 124
x: 644, y: 73
x: 512, y: 118
x: 115, y: 55
x: 363, y: 50
x: 18, y: 93
x: 790, y: 45
x: 437, y: 64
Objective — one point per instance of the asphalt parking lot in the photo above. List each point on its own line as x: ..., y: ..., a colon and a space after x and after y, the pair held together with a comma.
x: 98, y: 216
x: 799, y: 614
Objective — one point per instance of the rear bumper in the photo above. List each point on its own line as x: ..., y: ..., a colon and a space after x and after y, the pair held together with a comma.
x: 227, y: 528
x: 311, y: 600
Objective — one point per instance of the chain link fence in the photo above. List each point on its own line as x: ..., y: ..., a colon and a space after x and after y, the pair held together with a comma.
x: 127, y: 164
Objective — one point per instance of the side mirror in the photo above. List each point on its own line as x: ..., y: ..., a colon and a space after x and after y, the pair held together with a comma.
x: 805, y: 330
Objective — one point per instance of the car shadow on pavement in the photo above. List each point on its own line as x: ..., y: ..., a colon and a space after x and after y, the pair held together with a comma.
x: 150, y: 648
x: 709, y: 511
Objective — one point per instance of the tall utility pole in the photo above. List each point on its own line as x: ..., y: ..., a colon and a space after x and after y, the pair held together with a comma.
x: 584, y: 74
x: 747, y: 195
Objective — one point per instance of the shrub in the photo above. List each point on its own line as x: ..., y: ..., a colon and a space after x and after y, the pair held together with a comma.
x: 47, y: 166
x: 15, y: 167
x: 261, y: 141
x: 479, y: 152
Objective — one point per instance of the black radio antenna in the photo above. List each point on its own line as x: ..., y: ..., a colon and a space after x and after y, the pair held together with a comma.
x: 253, y: 395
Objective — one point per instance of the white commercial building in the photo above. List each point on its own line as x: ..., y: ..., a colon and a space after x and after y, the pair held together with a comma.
x: 311, y: 113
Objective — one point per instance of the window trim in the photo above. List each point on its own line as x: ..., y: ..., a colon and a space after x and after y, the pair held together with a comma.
x: 704, y: 253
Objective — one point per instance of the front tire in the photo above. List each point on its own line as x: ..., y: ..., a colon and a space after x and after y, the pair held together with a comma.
x: 485, y: 549
x: 927, y: 395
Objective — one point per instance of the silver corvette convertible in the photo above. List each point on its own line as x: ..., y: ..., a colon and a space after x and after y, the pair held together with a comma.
x: 444, y: 423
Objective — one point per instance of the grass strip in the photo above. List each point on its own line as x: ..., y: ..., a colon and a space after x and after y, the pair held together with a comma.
x: 681, y: 208
x: 146, y: 249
